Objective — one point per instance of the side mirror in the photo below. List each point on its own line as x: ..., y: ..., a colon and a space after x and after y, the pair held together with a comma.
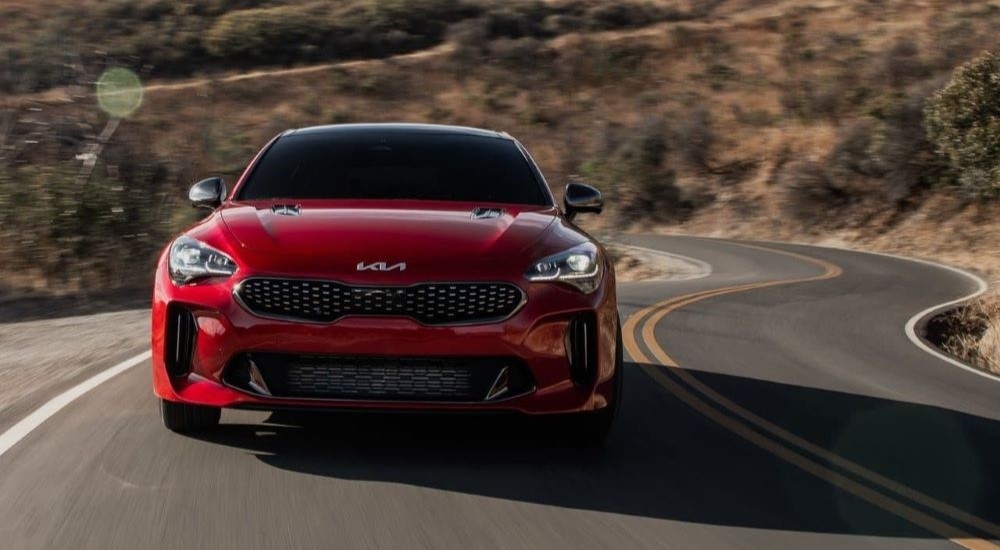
x: 207, y: 193
x: 579, y: 198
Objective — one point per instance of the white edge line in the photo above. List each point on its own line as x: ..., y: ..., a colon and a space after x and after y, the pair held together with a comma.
x: 26, y: 425
x: 911, y: 324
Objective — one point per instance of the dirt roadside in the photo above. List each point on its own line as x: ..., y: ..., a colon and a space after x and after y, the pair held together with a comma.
x: 44, y: 357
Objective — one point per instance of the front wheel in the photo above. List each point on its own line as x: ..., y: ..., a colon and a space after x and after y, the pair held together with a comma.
x: 181, y: 418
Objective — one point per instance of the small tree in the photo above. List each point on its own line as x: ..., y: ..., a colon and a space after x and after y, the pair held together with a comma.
x: 963, y: 121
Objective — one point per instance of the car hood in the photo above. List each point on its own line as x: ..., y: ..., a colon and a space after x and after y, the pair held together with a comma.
x: 334, y: 237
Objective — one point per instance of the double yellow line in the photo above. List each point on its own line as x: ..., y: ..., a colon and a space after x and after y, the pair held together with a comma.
x: 782, y: 443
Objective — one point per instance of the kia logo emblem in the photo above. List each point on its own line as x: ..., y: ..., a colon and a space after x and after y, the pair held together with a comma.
x: 381, y: 266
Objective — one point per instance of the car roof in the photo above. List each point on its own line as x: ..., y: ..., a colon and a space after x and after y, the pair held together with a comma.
x: 408, y: 128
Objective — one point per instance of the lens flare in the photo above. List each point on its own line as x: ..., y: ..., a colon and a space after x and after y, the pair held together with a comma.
x: 119, y: 92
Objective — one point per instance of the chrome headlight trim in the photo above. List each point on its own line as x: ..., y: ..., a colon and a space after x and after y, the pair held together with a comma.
x: 190, y: 259
x: 579, y: 267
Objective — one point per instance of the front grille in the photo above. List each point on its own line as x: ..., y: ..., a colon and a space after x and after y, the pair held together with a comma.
x: 429, y: 303
x: 378, y: 378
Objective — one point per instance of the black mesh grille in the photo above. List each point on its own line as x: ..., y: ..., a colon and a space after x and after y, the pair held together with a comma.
x: 379, y: 381
x: 182, y: 331
x: 431, y: 304
x: 382, y: 378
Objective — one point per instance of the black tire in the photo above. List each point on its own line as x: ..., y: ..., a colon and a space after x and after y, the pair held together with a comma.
x: 592, y: 429
x: 181, y: 418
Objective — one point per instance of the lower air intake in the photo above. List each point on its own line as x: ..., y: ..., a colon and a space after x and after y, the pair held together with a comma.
x: 370, y: 378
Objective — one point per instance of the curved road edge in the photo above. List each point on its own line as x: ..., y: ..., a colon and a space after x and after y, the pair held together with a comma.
x: 22, y: 428
x: 914, y: 327
x: 897, y: 498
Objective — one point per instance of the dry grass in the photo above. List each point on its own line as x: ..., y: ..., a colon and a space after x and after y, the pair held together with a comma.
x: 628, y: 267
x: 565, y: 110
x: 972, y: 332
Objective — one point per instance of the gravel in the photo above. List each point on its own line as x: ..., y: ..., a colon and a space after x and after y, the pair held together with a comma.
x: 41, y: 358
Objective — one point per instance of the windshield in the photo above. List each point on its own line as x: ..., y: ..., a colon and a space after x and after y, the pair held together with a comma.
x: 449, y: 167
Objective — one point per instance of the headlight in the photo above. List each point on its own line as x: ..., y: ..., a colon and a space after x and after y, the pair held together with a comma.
x: 192, y: 259
x: 579, y: 266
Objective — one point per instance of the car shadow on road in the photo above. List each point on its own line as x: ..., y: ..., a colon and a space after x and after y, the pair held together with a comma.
x: 664, y: 460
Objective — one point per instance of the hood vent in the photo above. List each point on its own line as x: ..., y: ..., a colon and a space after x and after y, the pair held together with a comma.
x: 482, y: 213
x: 287, y: 209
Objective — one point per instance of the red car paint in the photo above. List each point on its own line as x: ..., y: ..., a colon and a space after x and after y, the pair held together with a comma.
x: 439, y: 242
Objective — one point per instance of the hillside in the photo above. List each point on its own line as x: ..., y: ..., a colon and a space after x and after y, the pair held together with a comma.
x: 796, y: 120
x: 792, y: 120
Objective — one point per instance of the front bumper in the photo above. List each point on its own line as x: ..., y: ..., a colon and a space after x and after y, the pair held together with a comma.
x: 536, y: 336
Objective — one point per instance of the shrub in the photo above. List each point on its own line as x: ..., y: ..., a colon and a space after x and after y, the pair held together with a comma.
x: 590, y: 62
x: 954, y: 43
x: 523, y: 55
x: 963, y: 121
x: 517, y: 19
x: 266, y: 34
x: 427, y: 18
x: 562, y: 24
x: 41, y: 63
x: 617, y: 15
x: 807, y: 194
x: 106, y: 230
x: 900, y: 146
x: 632, y: 166
x: 902, y: 64
x: 693, y: 137
x: 852, y: 155
x: 471, y: 40
x: 888, y: 152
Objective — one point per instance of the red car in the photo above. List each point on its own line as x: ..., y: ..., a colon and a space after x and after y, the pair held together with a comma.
x: 388, y: 267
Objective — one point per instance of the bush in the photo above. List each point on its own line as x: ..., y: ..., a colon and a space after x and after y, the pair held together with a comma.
x: 852, y: 155
x: 888, y: 154
x: 321, y: 30
x: 426, y: 18
x: 106, y: 231
x: 517, y: 19
x: 614, y: 15
x: 522, y: 55
x: 471, y: 40
x: 632, y: 166
x: 963, y: 121
x: 901, y: 148
x: 807, y: 194
x: 266, y: 34
x: 902, y: 64
x: 694, y: 136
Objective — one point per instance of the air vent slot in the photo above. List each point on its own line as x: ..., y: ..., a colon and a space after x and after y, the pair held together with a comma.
x: 287, y: 209
x: 182, y: 330
x: 483, y: 213
x: 581, y: 348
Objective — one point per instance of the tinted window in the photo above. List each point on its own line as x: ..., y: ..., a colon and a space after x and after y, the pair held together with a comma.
x: 394, y: 166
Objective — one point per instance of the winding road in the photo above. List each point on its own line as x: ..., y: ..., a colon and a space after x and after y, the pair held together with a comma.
x: 776, y: 403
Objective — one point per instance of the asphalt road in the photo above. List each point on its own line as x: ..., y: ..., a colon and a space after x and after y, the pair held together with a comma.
x: 787, y: 410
